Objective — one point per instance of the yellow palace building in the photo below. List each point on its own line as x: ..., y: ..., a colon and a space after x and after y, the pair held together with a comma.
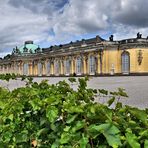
x: 94, y: 56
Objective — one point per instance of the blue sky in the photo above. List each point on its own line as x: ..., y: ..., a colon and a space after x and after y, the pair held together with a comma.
x: 50, y: 22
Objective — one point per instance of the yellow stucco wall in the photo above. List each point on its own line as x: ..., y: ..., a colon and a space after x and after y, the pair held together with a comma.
x: 135, y: 67
x: 145, y: 60
x: 111, y: 63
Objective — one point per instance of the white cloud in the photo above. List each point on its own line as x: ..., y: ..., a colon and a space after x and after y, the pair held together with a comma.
x: 57, y: 21
x: 20, y: 24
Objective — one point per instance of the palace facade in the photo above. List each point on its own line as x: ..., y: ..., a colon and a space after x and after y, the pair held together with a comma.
x: 94, y: 56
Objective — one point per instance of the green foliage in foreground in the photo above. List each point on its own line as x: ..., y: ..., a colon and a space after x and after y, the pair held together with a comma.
x: 57, y: 116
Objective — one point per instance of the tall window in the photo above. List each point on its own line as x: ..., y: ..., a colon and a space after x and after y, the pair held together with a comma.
x: 79, y: 65
x: 57, y: 67
x: 25, y: 69
x: 39, y: 69
x: 68, y: 66
x: 125, y: 62
x: 48, y: 68
x: 92, y: 64
x: 17, y: 67
x: 1, y: 68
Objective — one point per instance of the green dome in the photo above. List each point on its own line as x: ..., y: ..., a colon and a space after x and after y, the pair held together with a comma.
x: 29, y: 47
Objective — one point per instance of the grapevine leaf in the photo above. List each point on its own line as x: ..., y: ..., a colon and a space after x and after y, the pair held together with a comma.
x: 111, y: 101
x: 140, y: 114
x: 122, y: 92
x: 52, y: 113
x: 72, y: 80
x: 103, y: 91
x: 65, y: 137
x: 146, y: 144
x: 132, y: 140
x: 110, y: 132
x: 83, y: 142
x: 42, y: 131
x: 78, y: 126
x: 71, y: 118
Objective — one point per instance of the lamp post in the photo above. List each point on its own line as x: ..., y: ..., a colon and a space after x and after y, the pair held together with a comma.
x: 101, y: 58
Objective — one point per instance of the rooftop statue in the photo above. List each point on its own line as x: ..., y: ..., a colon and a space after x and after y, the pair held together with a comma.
x: 111, y: 38
x: 139, y: 36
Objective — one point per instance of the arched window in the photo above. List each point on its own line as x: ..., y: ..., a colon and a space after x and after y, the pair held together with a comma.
x: 48, y: 68
x: 25, y: 69
x: 57, y: 68
x: 17, y: 68
x: 39, y: 68
x: 79, y: 65
x: 125, y: 60
x: 67, y: 66
x: 92, y: 65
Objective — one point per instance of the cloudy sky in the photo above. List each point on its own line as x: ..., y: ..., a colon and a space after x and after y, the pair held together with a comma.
x: 50, y: 22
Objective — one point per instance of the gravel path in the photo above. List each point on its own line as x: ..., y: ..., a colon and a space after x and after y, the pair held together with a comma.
x: 136, y: 86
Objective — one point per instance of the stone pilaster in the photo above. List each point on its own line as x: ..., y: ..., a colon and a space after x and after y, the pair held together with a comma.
x: 52, y: 65
x: 85, y: 64
x: 96, y: 56
x: 72, y: 66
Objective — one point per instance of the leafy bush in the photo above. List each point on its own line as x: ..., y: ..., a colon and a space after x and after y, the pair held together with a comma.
x: 56, y: 116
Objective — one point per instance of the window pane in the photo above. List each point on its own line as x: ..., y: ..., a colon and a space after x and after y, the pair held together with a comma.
x: 48, y: 68
x: 92, y: 64
x: 125, y: 63
x: 79, y: 65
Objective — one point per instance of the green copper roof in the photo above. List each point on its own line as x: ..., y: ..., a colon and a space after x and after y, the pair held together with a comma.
x: 29, y: 46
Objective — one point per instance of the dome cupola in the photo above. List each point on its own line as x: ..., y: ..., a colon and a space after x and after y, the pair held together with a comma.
x: 29, y: 47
